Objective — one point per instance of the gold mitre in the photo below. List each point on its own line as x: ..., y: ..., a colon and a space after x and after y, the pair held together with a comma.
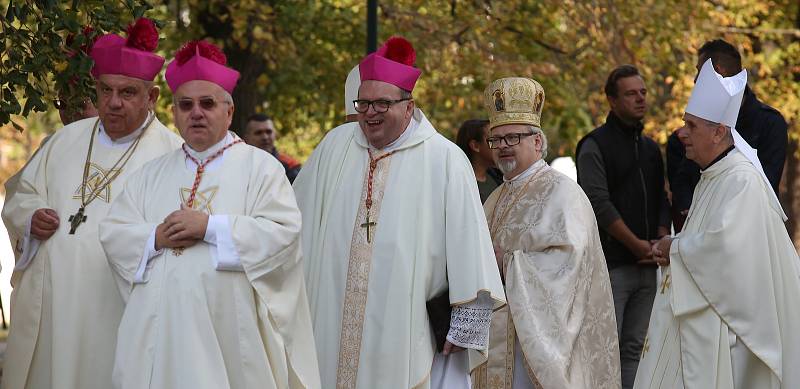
x: 514, y: 100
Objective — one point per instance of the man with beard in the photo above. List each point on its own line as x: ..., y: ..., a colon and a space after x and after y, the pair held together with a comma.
x: 558, y: 330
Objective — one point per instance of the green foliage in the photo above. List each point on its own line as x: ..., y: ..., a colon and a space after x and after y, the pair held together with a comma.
x: 295, y: 54
x: 38, y: 62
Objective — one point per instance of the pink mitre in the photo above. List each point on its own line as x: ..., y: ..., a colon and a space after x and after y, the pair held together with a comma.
x: 200, y: 60
x: 132, y: 57
x: 392, y: 63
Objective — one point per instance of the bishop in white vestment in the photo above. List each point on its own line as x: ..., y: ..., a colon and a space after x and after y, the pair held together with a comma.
x: 559, y: 328
x: 206, y: 240
x: 726, y: 314
x: 66, y: 306
x: 392, y: 219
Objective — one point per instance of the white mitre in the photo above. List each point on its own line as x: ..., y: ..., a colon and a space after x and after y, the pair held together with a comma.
x: 351, y: 91
x: 717, y: 99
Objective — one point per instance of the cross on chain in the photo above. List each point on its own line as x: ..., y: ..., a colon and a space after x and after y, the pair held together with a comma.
x: 665, y: 284
x: 369, y: 225
x: 76, y: 220
x: 373, y: 164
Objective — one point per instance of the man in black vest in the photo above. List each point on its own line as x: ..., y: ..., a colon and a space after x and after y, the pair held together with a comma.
x: 760, y: 125
x: 622, y: 173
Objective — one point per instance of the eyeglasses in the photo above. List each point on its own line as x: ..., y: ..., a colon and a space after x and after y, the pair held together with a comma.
x: 510, y: 139
x: 380, y: 106
x: 205, y: 103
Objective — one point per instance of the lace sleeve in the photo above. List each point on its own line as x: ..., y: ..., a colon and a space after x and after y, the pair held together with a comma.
x: 469, y: 323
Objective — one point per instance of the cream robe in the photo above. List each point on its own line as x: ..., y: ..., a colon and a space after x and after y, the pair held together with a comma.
x: 559, y: 294
x: 726, y: 314
x: 430, y: 230
x: 190, y: 325
x: 66, y: 306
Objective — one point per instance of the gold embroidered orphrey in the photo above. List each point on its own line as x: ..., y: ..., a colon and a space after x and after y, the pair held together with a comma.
x: 203, y: 200
x: 101, y: 183
x: 358, y: 269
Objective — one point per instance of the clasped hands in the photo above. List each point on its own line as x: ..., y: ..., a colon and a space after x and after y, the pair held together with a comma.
x: 182, y: 228
x: 654, y: 252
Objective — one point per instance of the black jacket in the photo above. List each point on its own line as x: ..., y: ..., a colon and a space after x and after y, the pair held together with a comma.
x: 760, y: 125
x: 634, y: 174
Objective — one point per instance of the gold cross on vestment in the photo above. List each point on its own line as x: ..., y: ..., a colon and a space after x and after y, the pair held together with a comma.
x: 369, y: 226
x: 665, y: 284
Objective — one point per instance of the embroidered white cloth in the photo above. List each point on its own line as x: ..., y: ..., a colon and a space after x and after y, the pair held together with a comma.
x: 65, y: 298
x: 560, y: 308
x: 430, y: 235
x: 191, y: 325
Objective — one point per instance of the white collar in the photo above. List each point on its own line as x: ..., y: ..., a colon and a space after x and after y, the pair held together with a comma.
x: 202, y: 155
x: 527, y: 172
x: 106, y: 140
x: 412, y: 126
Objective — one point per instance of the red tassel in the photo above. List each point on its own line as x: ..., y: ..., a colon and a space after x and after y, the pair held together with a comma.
x: 400, y: 50
x: 206, y: 49
x: 142, y: 35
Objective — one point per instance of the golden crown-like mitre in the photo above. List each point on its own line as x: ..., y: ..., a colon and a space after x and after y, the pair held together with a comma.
x: 514, y: 100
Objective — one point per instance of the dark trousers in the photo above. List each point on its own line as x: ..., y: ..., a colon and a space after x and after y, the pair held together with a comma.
x: 634, y: 288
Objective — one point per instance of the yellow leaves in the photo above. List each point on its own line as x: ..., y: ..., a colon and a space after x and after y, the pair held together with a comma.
x: 60, y: 66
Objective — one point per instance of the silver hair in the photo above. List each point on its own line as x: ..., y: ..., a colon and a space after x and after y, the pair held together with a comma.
x: 537, y: 130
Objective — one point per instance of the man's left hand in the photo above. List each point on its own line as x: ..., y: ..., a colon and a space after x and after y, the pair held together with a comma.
x: 450, y: 348
x: 186, y: 223
x: 661, y: 250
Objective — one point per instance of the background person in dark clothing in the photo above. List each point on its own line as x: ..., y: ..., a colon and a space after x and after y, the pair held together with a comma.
x: 471, y: 138
x: 260, y: 132
x: 760, y: 125
x: 622, y: 173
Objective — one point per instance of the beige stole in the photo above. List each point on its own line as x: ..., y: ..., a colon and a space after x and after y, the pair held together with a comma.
x: 358, y: 269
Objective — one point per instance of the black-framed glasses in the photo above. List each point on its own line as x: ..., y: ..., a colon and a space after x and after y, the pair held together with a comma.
x: 510, y: 139
x: 205, y: 103
x: 380, y: 105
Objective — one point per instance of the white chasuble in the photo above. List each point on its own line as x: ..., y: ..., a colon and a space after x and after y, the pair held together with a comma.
x: 367, y: 298
x: 190, y: 324
x: 559, y: 329
x: 66, y: 306
x: 726, y: 313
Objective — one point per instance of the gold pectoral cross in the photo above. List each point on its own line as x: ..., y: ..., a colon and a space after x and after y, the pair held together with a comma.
x: 76, y: 220
x: 369, y: 225
x: 665, y: 284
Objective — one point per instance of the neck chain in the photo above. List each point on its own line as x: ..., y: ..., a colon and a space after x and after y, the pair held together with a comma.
x: 373, y: 164
x: 198, y: 176
x: 201, y: 167
x: 80, y: 217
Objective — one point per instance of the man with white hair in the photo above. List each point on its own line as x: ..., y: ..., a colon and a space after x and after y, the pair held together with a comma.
x: 726, y: 312
x: 206, y: 241
x: 66, y: 306
x: 558, y: 330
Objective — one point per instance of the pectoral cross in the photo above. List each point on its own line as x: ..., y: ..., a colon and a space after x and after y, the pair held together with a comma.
x: 665, y: 284
x: 368, y: 225
x: 76, y: 220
